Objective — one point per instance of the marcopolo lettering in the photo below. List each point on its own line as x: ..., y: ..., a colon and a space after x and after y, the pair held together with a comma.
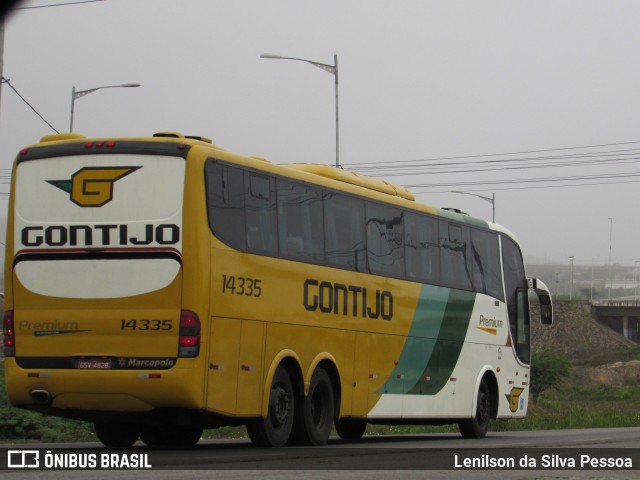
x: 343, y: 299
x: 100, y: 235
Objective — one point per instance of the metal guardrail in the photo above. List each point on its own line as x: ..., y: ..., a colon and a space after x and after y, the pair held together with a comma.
x: 616, y: 303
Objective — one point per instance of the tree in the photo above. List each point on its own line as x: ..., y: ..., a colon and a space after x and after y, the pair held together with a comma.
x: 548, y: 368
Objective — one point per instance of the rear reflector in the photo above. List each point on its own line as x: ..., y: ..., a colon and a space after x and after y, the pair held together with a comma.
x: 189, y: 341
x: 9, y: 341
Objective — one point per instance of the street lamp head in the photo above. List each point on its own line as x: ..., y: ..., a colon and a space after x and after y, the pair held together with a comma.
x: 75, y: 94
x: 333, y: 70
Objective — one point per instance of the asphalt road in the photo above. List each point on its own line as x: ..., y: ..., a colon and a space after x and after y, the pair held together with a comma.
x: 395, y: 457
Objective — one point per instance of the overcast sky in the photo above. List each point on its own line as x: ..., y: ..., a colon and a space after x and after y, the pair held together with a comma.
x: 452, y: 89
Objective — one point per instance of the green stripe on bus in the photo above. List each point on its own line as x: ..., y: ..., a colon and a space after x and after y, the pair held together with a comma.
x: 434, y: 342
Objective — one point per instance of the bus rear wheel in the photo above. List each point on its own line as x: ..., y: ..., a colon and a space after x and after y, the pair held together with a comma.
x: 117, y: 435
x: 314, y: 417
x: 477, y: 426
x: 275, y: 429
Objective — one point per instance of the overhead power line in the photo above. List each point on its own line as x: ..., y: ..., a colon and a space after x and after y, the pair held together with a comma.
x: 504, y: 165
x: 6, y: 80
x: 485, y: 155
x: 529, y: 187
x: 478, y: 172
x: 57, y: 4
x: 526, y: 180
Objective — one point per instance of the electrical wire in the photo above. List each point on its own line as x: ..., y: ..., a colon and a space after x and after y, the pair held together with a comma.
x: 527, y: 180
x: 453, y: 167
x: 6, y: 80
x: 361, y: 164
x: 529, y: 187
x: 56, y: 5
x: 587, y: 161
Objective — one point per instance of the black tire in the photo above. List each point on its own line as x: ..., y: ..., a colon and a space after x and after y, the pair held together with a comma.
x: 477, y: 426
x: 171, y: 435
x: 351, y: 428
x: 117, y: 435
x: 314, y: 418
x: 275, y: 430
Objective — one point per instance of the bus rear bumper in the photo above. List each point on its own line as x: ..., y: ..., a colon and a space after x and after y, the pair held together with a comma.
x: 101, y: 391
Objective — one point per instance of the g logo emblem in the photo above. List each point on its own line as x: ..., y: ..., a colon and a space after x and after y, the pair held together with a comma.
x: 514, y: 399
x: 92, y: 186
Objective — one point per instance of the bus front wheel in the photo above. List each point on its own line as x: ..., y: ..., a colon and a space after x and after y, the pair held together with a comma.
x: 351, y: 428
x: 477, y: 426
x: 274, y: 431
x: 171, y: 435
x: 117, y: 435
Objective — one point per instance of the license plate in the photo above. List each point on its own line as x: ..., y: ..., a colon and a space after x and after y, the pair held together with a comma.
x: 94, y: 363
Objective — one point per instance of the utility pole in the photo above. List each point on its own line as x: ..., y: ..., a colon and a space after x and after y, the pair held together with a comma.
x: 1, y: 53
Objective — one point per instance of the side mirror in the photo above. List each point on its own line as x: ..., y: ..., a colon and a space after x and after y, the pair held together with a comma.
x: 544, y: 297
x: 546, y: 309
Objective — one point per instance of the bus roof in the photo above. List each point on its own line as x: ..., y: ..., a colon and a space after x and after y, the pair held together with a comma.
x: 330, y: 173
x: 354, y: 178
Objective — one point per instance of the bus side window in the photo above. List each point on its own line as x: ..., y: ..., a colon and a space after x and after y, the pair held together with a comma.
x: 260, y: 205
x: 385, y: 252
x: 515, y: 286
x: 523, y: 341
x: 344, y: 232
x: 300, y: 233
x: 225, y: 204
x: 421, y: 248
x: 456, y: 266
x: 487, y: 277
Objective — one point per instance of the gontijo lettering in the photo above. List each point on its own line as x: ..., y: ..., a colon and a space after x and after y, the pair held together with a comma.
x: 99, y: 235
x: 343, y: 299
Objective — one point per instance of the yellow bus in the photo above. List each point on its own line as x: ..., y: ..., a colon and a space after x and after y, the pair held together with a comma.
x: 158, y: 286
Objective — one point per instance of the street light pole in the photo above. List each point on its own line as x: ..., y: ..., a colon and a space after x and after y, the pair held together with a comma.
x: 637, y: 279
x: 332, y: 69
x: 491, y: 200
x: 81, y: 93
x: 611, y: 219
x: 571, y: 278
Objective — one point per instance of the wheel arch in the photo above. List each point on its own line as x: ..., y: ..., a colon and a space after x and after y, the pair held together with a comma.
x: 327, y: 362
x: 488, y: 375
x: 291, y: 362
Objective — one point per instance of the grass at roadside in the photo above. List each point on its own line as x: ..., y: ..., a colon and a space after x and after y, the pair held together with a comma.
x: 571, y: 407
x: 17, y: 425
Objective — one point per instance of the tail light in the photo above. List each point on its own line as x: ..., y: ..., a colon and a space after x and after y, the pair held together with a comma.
x: 8, y: 331
x: 189, y: 341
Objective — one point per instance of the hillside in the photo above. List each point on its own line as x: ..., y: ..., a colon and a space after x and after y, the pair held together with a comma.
x: 576, y: 334
x: 596, y: 351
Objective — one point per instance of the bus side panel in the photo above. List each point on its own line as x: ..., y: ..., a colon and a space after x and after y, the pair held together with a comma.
x: 222, y: 379
x: 361, y: 377
x: 385, y: 355
x: 250, y: 373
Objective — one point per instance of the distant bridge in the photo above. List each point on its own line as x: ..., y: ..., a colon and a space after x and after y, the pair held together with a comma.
x: 623, y: 316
